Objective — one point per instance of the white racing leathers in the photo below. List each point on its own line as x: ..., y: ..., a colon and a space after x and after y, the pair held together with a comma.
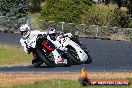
x: 61, y: 43
x: 31, y: 42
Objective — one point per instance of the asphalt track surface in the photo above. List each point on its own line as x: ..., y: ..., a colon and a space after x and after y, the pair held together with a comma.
x: 107, y: 56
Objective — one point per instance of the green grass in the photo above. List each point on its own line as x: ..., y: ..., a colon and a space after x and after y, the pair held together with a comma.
x: 13, y: 55
x: 64, y: 84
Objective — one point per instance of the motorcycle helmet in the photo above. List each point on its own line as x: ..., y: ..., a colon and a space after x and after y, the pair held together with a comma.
x: 25, y: 30
x: 52, y: 33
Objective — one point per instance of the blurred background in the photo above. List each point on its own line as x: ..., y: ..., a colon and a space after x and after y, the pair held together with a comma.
x: 107, y: 19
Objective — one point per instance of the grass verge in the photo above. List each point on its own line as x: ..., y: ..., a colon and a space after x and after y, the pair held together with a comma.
x: 11, y: 54
x: 27, y: 80
x: 64, y: 84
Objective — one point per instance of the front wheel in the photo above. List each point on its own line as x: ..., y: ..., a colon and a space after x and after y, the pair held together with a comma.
x: 73, y: 56
x: 45, y: 60
x: 36, y: 62
x: 89, y: 60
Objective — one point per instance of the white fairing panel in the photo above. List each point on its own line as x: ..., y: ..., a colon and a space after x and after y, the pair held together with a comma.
x: 66, y: 41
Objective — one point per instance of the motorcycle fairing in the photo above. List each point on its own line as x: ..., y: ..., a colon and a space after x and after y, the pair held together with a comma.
x: 48, y: 45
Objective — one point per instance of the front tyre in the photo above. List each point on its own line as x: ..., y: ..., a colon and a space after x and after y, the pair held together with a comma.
x: 45, y: 60
x: 37, y: 64
x: 73, y: 56
x: 89, y: 60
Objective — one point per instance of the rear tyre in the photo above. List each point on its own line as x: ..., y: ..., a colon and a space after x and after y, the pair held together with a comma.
x: 45, y: 60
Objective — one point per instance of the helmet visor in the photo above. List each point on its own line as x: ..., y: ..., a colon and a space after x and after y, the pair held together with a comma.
x: 23, y: 32
x: 52, y: 36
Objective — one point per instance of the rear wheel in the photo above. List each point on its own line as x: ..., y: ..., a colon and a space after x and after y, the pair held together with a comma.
x: 45, y: 60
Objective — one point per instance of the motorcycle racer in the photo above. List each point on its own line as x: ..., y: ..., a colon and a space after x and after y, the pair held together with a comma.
x: 68, y: 41
x: 53, y: 34
x: 27, y: 36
